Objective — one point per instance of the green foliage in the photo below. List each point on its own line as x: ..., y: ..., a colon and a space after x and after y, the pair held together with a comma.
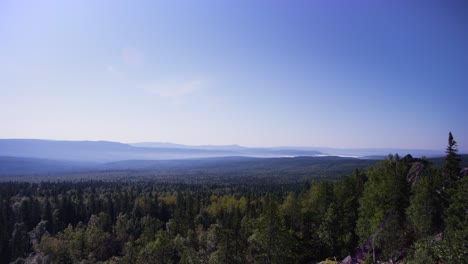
x: 342, y: 217
x: 19, y: 242
x: 226, y: 203
x: 160, y: 250
x: 290, y: 212
x: 379, y: 213
x: 423, y: 252
x: 452, y: 159
x: 453, y: 248
x: 385, y: 193
x: 456, y: 212
x: 382, y: 206
x: 270, y: 241
x: 424, y: 213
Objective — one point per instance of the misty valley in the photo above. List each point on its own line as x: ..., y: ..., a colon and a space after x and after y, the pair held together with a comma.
x: 233, y: 132
x: 309, y: 208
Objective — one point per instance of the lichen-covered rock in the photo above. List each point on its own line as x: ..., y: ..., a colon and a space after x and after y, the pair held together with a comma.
x: 415, y: 168
x: 347, y: 260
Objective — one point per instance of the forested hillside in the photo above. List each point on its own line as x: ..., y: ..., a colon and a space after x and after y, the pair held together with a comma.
x: 402, y: 209
x: 297, y: 167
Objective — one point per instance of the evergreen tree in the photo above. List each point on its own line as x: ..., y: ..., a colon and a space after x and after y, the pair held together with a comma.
x: 48, y: 217
x: 19, y: 241
x: 4, y: 227
x: 422, y: 211
x: 382, y: 207
x: 452, y: 160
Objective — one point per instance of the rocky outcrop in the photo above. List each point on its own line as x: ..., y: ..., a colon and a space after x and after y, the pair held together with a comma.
x: 361, y: 253
x: 416, y: 167
x: 347, y: 260
x: 464, y: 172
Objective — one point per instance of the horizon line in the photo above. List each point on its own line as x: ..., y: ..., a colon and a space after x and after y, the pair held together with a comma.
x: 236, y: 145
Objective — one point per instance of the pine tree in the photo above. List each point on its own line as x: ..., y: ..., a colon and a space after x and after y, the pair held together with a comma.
x: 452, y: 160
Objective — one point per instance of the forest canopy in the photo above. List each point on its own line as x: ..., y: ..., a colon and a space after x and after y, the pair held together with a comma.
x: 400, y: 209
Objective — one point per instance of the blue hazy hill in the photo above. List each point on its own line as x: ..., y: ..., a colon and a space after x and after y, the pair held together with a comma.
x: 96, y: 151
x: 106, y: 151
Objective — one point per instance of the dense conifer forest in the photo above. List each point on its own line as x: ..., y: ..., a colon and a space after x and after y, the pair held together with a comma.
x: 402, y: 209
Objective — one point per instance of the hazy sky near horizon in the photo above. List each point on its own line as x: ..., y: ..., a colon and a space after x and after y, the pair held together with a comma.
x: 341, y: 74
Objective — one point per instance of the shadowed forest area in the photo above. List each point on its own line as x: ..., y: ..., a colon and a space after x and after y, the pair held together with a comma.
x: 401, y: 209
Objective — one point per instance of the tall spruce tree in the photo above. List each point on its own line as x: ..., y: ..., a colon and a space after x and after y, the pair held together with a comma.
x: 452, y: 160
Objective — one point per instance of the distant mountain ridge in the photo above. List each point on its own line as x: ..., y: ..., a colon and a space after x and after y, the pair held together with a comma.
x: 108, y: 151
x: 35, y: 156
x: 372, y: 153
x: 173, y: 145
x: 96, y: 151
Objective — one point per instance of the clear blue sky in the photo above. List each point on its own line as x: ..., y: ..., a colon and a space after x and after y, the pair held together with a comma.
x: 256, y: 73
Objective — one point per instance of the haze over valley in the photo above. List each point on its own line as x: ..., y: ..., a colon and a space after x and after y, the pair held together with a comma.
x: 233, y: 132
x: 32, y: 156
